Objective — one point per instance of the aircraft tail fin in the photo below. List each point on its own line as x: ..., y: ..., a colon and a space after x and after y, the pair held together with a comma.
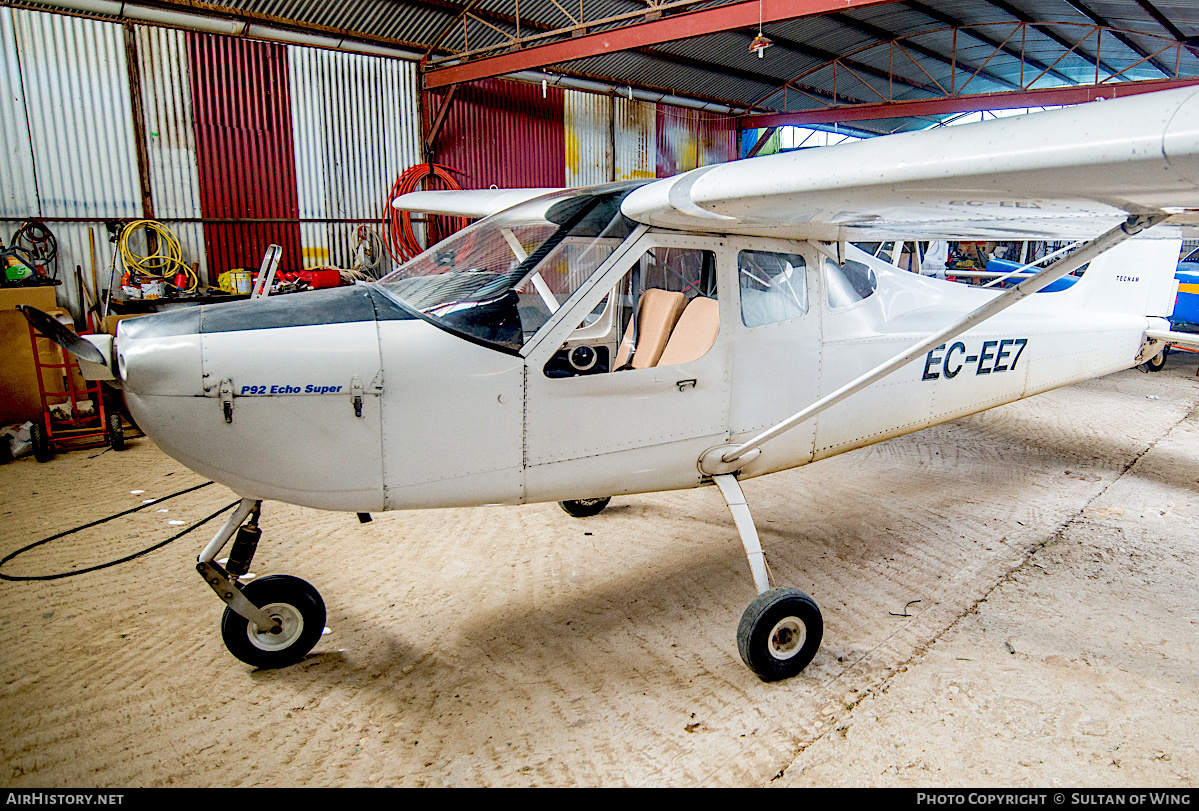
x: 1134, y: 278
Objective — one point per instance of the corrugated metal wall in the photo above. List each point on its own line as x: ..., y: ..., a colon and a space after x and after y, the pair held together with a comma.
x: 636, y: 139
x: 589, y: 139
x: 80, y: 115
x: 651, y: 140
x: 509, y: 135
x: 170, y: 132
x: 68, y: 81
x: 248, y: 143
x: 220, y: 128
x: 593, y: 153
x: 18, y: 184
x: 355, y: 131
x: 688, y: 139
x: 244, y: 150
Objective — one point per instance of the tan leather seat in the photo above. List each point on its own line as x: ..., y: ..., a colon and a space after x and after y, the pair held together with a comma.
x: 657, y: 313
x: 695, y: 333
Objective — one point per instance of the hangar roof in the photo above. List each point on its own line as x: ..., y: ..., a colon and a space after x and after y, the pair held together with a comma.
x: 883, y: 65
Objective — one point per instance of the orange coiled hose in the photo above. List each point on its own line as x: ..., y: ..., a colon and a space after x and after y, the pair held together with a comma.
x: 398, y: 235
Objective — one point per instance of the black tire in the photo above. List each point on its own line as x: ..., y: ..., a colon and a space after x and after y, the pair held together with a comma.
x: 116, y: 398
x: 585, y: 507
x: 296, y: 603
x: 43, y: 448
x: 116, y: 432
x: 1158, y: 361
x: 779, y: 633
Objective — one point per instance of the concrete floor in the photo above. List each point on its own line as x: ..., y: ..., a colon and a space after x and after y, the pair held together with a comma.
x: 1009, y: 600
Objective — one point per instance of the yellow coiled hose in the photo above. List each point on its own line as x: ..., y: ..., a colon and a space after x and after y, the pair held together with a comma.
x: 158, y: 265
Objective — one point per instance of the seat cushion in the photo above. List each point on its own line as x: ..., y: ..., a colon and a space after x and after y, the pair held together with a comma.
x: 657, y: 313
x: 695, y: 333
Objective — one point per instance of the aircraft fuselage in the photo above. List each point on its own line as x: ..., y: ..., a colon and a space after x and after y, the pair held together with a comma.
x: 349, y: 400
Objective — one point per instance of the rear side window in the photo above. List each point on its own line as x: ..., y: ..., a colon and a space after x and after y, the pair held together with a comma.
x: 848, y: 283
x: 774, y: 287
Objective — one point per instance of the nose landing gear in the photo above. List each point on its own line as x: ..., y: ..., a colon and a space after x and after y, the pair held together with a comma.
x: 297, y: 617
x: 270, y: 622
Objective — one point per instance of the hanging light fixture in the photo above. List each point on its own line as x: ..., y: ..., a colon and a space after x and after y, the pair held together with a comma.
x: 760, y: 44
x: 761, y: 41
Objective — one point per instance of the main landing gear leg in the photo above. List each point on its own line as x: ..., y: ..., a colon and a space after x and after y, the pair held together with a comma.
x: 273, y: 621
x: 781, y: 629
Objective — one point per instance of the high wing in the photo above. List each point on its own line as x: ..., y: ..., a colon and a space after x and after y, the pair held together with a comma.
x: 1068, y: 173
x: 467, y: 203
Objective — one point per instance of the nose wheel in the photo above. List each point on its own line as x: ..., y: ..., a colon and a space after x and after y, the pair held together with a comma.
x: 297, y: 615
x: 273, y: 621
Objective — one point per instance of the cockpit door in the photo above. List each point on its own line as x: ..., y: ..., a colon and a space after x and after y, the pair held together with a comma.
x: 776, y: 347
x: 640, y: 387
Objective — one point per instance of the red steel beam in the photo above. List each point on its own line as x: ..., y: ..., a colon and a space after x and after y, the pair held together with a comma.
x: 679, y: 26
x: 1046, y: 97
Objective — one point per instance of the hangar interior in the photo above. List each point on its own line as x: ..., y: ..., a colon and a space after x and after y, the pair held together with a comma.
x: 244, y: 125
x: 163, y: 154
x: 155, y: 151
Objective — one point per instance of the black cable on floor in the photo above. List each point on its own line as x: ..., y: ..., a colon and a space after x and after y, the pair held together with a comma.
x: 125, y: 559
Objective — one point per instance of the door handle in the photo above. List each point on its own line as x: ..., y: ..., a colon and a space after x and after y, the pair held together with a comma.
x: 683, y: 385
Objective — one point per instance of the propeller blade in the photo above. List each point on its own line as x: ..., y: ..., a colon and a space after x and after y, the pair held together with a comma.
x: 62, y: 336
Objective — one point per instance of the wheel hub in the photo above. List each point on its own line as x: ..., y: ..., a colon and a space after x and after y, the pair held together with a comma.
x: 787, y: 638
x: 287, y: 625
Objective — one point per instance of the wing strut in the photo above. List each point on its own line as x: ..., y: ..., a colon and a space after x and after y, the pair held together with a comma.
x: 725, y: 459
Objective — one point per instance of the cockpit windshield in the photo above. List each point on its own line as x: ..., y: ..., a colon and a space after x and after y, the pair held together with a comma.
x: 499, y: 280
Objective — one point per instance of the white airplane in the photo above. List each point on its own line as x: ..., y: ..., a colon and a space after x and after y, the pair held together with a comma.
x: 581, y: 344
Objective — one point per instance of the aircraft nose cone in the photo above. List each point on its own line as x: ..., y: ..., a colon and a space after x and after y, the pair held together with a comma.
x: 162, y: 353
x: 340, y: 305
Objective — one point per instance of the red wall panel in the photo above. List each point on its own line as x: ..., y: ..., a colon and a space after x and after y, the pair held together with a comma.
x: 244, y: 150
x: 505, y: 134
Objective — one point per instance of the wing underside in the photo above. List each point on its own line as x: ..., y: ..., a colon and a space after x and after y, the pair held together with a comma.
x: 1067, y: 173
x: 1070, y: 173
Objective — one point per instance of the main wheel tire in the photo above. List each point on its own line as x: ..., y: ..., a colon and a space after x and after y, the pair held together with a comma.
x: 779, y: 633
x: 585, y: 507
x: 116, y: 432
x: 43, y: 449
x: 1158, y: 361
x: 299, y: 609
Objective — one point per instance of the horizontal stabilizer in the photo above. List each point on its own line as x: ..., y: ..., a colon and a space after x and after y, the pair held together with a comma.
x: 472, y: 203
x: 1190, y: 340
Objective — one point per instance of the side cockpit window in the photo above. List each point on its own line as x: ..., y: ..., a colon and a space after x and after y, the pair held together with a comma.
x: 774, y: 287
x: 848, y: 283
x: 662, y: 312
x: 662, y: 287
